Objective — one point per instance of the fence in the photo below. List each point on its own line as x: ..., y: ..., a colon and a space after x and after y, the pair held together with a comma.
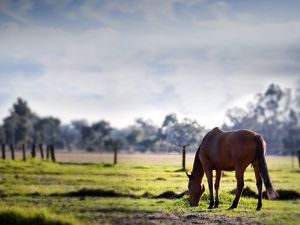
x: 50, y: 151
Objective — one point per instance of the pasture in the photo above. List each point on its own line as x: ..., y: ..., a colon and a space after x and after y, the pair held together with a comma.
x: 141, y: 189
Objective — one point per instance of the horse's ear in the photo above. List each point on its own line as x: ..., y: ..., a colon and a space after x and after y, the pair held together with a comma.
x: 189, y: 176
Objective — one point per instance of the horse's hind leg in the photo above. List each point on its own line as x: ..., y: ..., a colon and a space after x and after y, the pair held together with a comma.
x: 217, y: 185
x: 239, y: 175
x: 258, y: 184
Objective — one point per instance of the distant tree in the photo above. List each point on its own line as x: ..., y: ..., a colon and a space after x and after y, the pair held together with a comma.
x: 18, y: 127
x: 2, y: 135
x: 170, y: 120
x: 187, y: 132
x: 78, y: 127
x: 134, y: 135
x: 100, y: 130
x: 69, y: 136
x: 149, y: 134
x: 268, y: 115
x: 292, y: 141
x: 47, y: 130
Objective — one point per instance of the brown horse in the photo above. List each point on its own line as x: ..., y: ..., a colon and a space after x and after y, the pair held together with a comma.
x: 232, y: 150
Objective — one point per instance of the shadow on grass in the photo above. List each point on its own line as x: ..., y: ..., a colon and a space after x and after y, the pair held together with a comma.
x: 93, y: 193
x: 75, y: 163
x: 283, y: 194
x: 85, y: 164
x: 111, y: 193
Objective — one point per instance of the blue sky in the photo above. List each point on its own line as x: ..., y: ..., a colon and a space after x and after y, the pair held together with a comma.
x: 120, y: 60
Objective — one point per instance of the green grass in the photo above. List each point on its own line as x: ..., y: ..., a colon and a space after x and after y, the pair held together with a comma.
x: 32, y: 216
x: 53, y: 187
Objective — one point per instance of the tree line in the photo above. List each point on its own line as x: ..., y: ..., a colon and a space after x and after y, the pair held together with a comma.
x: 275, y: 114
x: 23, y: 126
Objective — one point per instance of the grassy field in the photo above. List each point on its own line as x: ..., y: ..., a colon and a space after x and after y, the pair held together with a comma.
x: 141, y: 189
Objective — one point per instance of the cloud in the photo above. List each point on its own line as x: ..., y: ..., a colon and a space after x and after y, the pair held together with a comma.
x: 120, y: 60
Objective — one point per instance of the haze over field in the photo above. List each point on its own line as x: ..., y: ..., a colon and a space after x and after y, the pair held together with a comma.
x: 119, y: 60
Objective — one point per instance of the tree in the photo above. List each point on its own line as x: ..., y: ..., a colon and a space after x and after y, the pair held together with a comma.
x: 187, y: 132
x: 134, y: 136
x: 292, y: 141
x: 148, y: 134
x: 268, y: 115
x: 100, y: 130
x: 18, y: 126
x: 114, y: 142
x: 2, y: 135
x: 70, y: 136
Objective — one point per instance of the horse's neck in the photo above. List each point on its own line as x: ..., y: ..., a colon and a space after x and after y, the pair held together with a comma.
x: 197, y: 167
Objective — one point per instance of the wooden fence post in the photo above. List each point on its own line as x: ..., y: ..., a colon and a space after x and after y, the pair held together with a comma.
x: 12, y: 150
x: 292, y: 158
x: 23, y: 151
x: 115, y: 155
x: 3, y: 151
x: 52, y: 151
x: 47, y: 151
x: 41, y: 151
x: 298, y: 155
x: 183, y: 157
x: 33, y: 151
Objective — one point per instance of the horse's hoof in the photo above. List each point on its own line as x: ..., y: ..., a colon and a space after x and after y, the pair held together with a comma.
x: 231, y: 207
x: 259, y: 205
x: 210, y: 207
x: 216, y: 206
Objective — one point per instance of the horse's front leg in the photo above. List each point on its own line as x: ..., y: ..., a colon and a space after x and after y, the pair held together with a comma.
x: 217, y: 185
x: 208, y: 173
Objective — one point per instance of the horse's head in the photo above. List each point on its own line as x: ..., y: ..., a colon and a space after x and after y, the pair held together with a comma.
x: 195, y: 189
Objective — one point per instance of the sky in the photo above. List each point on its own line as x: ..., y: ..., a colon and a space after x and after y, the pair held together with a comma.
x: 122, y: 60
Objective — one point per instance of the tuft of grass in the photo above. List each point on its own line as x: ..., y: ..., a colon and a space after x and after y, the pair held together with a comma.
x: 33, y: 216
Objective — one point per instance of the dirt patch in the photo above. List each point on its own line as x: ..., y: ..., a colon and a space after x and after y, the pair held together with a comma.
x: 160, y: 218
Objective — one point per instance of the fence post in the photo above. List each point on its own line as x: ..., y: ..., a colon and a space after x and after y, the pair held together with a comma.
x: 183, y: 157
x: 115, y: 155
x: 33, y: 152
x: 298, y: 154
x: 47, y: 151
x: 12, y: 150
x: 41, y: 151
x: 23, y: 151
x: 3, y: 151
x: 52, y: 151
x: 292, y: 158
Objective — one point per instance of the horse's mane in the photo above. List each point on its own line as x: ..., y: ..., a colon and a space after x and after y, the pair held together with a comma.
x: 197, y: 166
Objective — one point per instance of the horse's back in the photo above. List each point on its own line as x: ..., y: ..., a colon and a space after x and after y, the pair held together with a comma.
x: 226, y: 150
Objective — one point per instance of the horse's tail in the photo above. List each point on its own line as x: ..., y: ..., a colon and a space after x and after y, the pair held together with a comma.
x: 271, y: 192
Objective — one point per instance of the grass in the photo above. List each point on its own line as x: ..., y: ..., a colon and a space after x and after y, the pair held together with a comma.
x: 95, y: 193
x: 33, y: 216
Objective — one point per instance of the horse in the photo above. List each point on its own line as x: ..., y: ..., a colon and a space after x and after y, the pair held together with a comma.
x: 228, y: 151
